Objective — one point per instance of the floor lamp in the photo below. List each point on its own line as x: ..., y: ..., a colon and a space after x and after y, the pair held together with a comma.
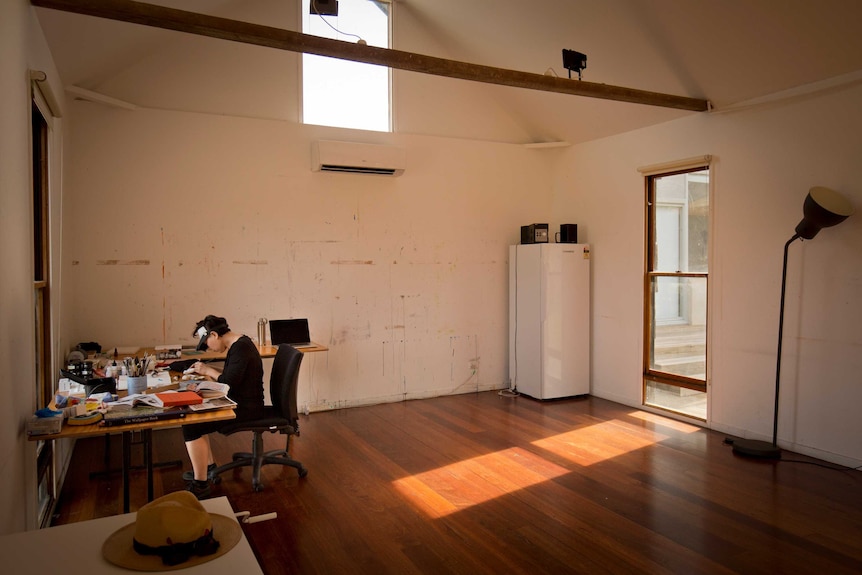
x: 823, y: 208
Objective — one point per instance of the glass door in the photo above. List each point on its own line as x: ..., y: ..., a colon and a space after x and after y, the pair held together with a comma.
x: 677, y: 266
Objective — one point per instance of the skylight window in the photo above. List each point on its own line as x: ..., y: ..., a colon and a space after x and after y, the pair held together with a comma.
x: 343, y: 93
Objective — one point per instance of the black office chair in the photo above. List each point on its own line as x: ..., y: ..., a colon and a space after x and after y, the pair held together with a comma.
x: 280, y: 417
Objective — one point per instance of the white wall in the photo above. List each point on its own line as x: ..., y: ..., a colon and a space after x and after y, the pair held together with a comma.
x: 170, y: 216
x: 23, y: 48
x: 766, y: 159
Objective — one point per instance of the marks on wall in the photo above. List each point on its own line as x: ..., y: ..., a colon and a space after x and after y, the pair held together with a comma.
x: 395, y: 315
x: 122, y: 262
x: 351, y: 334
x: 413, y: 366
x: 464, y: 362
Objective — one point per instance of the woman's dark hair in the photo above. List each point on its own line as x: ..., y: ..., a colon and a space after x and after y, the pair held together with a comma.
x: 213, y: 323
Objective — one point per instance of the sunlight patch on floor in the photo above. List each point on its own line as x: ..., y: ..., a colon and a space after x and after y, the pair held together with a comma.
x: 665, y: 421
x: 596, y: 443
x: 461, y: 485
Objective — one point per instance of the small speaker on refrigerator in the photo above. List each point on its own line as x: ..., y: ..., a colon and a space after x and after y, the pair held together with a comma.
x: 534, y: 234
x: 568, y: 234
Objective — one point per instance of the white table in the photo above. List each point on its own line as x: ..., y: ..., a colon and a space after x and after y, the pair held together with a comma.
x: 77, y: 548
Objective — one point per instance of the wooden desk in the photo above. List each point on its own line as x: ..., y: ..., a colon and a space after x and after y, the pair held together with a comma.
x: 146, y: 429
x: 77, y: 548
x: 267, y: 352
x: 264, y: 350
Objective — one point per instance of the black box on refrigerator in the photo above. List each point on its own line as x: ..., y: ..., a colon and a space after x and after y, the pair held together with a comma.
x: 534, y: 234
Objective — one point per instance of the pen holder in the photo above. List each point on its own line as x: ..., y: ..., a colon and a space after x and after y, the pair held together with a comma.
x: 137, y: 384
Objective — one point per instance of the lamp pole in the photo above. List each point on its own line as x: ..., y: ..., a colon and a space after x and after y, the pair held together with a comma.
x: 822, y: 208
x: 780, y: 337
x: 756, y: 447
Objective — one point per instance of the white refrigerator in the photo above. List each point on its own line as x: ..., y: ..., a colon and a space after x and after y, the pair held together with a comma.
x: 549, y: 319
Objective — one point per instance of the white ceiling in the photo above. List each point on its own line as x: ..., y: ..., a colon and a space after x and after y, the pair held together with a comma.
x: 726, y: 51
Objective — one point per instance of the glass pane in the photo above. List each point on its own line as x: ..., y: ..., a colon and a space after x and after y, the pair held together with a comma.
x: 678, y: 326
x: 682, y: 222
x: 674, y: 398
x: 344, y: 93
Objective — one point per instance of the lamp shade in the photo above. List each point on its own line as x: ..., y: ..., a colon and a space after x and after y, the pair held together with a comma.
x: 823, y: 208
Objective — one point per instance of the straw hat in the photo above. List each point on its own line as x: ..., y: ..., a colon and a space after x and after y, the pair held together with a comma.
x: 171, y: 532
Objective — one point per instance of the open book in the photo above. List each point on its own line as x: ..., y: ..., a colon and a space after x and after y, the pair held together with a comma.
x: 214, y: 396
x: 223, y: 402
x: 213, y: 393
x: 131, y: 400
x: 211, y: 389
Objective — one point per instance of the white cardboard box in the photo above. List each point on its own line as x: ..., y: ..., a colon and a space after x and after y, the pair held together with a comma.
x: 44, y: 425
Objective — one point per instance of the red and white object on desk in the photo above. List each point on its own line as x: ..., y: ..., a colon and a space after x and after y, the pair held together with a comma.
x: 177, y: 398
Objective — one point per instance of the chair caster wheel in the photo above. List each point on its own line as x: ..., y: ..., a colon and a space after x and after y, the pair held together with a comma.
x: 258, y: 488
x: 303, y: 473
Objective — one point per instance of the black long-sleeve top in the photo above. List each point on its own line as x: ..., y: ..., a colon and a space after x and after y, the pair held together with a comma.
x: 243, y: 372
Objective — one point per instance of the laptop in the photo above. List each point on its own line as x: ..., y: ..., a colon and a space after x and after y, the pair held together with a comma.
x: 290, y: 331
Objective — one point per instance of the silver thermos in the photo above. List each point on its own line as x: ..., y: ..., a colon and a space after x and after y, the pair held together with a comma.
x: 261, y: 331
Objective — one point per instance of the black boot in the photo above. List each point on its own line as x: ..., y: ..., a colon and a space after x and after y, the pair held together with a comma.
x: 200, y: 489
x: 190, y: 475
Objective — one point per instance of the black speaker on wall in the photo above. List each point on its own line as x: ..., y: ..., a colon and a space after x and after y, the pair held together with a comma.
x: 323, y: 7
x: 568, y: 233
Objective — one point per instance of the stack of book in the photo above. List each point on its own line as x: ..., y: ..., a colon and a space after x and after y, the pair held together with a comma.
x: 143, y: 407
x: 140, y: 414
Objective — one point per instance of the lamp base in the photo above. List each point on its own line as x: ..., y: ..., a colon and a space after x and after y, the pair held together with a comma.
x: 756, y: 448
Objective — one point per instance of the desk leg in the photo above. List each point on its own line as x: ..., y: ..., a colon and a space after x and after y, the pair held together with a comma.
x: 147, y: 441
x: 127, y: 463
x: 147, y: 438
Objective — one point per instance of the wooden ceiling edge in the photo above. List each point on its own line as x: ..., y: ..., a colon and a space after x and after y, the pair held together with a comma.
x: 259, y: 35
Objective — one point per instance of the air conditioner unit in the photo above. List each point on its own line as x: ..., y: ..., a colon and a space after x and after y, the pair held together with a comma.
x: 357, y: 158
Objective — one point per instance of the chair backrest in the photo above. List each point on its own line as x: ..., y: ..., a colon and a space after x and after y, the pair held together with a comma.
x: 283, y: 381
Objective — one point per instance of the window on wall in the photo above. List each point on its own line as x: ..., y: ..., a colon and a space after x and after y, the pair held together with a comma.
x: 677, y: 268
x: 41, y: 254
x: 40, y: 134
x: 343, y: 93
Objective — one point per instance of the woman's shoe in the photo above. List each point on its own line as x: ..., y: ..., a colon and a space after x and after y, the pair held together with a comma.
x: 200, y: 489
x: 190, y: 475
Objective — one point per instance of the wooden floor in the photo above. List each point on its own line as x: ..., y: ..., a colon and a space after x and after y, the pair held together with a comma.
x: 480, y: 483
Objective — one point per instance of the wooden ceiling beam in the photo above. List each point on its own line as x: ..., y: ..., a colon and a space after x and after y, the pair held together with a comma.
x: 259, y: 35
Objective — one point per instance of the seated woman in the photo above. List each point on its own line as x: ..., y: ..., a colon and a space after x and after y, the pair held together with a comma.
x: 243, y: 372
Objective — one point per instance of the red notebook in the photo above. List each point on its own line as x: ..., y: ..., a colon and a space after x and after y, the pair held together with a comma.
x: 180, y: 398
